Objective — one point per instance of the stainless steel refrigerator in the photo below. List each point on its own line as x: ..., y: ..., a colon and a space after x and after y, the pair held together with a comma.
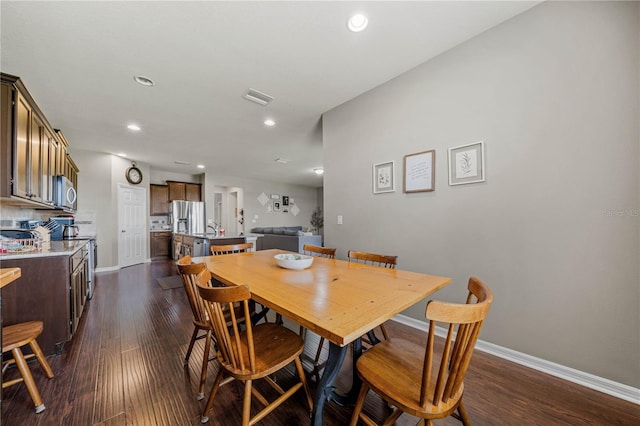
x: 187, y: 217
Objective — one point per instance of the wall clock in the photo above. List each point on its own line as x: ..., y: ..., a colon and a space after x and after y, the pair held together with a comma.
x: 133, y: 174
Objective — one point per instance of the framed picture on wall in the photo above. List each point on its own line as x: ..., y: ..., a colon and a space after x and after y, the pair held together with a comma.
x: 466, y: 164
x: 276, y: 206
x: 383, y: 177
x: 419, y: 171
x: 285, y: 200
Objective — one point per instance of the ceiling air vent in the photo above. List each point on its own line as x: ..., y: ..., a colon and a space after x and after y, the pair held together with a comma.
x: 258, y: 97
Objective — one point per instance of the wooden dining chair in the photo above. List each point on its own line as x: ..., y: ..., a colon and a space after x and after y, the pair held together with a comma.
x: 188, y: 272
x: 231, y: 248
x: 380, y: 260
x: 418, y: 379
x: 14, y: 337
x: 251, y: 354
x: 242, y: 248
x: 312, y: 250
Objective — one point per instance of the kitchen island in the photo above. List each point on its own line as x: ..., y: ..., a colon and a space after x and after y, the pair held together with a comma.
x: 53, y: 289
x: 199, y: 244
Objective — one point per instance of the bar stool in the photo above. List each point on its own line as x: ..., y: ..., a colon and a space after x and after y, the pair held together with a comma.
x: 13, y: 338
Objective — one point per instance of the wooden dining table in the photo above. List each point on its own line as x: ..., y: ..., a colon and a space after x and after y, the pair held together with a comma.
x: 338, y: 300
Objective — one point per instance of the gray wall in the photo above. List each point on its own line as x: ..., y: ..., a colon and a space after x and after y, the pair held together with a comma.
x: 554, y: 230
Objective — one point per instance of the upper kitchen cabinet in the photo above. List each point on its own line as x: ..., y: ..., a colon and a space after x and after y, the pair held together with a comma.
x: 33, y: 154
x: 159, y: 199
x: 184, y: 191
x: 65, y: 163
x: 193, y: 192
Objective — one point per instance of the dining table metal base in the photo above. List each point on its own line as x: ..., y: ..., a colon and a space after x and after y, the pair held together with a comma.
x: 326, y: 391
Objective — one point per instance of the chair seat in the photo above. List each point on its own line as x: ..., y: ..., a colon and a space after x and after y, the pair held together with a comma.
x: 275, y: 347
x: 395, y: 367
x: 18, y: 335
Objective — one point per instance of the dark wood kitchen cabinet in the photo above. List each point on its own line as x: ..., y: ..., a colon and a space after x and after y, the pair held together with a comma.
x: 22, y: 136
x: 159, y: 199
x: 184, y: 191
x: 50, y: 290
x: 32, y: 152
x: 193, y: 192
x: 160, y: 245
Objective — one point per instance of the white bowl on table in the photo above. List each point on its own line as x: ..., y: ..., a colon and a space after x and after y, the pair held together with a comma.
x: 293, y: 261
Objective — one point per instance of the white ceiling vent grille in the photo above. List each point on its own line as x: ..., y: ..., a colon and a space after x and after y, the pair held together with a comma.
x: 258, y: 97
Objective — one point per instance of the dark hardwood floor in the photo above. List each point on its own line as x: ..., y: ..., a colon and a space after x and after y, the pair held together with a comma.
x: 124, y: 367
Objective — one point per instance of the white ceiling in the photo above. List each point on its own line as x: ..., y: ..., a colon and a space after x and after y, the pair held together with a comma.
x: 78, y: 60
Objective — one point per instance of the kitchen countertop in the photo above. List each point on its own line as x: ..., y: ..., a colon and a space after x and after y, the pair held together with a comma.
x: 212, y: 236
x: 53, y: 248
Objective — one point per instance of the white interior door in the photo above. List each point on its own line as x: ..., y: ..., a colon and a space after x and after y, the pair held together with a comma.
x: 132, y: 237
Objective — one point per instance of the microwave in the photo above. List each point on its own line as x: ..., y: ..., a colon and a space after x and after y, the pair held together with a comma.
x: 65, y: 193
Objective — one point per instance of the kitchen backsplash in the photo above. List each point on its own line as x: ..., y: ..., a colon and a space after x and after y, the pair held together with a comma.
x: 159, y: 223
x: 10, y: 216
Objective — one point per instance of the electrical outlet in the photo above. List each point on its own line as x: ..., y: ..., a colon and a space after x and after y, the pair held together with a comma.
x: 339, y: 219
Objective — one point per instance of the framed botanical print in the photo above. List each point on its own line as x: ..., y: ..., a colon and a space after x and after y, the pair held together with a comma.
x: 383, y: 177
x: 466, y: 164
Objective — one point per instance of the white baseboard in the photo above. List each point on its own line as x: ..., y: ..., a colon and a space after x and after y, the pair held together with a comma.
x: 619, y: 390
x: 108, y: 269
x: 117, y: 267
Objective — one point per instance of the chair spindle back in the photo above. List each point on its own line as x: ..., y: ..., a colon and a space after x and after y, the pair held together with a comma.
x: 235, y: 347
x: 382, y: 260
x: 311, y: 250
x: 465, y: 321
x: 231, y: 248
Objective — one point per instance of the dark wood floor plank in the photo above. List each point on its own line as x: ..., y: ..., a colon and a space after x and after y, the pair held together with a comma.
x: 137, y: 392
x: 106, y: 309
x: 124, y: 367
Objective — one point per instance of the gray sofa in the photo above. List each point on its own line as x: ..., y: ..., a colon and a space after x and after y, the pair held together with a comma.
x: 289, y: 238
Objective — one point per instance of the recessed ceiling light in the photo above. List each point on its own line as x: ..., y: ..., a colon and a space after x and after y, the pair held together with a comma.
x: 133, y: 127
x: 269, y: 122
x: 145, y: 81
x: 200, y: 166
x: 319, y: 171
x: 357, y: 22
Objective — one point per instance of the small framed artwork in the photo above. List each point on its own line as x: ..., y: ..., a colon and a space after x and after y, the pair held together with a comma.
x: 276, y: 206
x: 383, y: 177
x: 466, y: 164
x: 275, y: 196
x: 285, y: 200
x: 419, y: 171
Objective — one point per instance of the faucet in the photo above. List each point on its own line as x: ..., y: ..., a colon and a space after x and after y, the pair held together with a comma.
x: 215, y: 229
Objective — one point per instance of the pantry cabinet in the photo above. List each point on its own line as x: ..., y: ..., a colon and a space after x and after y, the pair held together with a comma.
x: 159, y: 199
